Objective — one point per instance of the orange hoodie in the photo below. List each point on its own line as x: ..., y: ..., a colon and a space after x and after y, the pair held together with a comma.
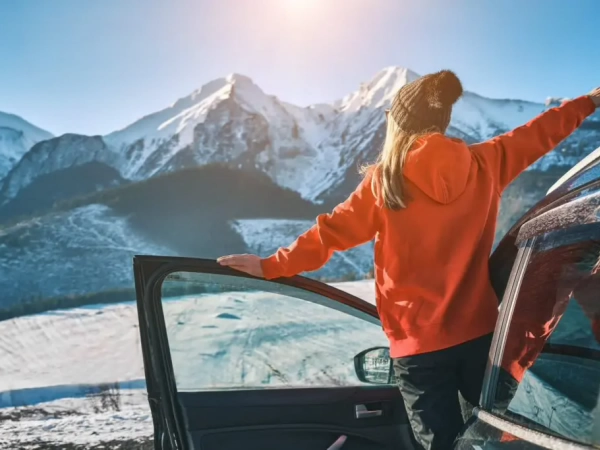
x: 431, y: 259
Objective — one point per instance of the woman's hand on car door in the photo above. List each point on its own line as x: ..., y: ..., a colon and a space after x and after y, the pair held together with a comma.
x: 247, y: 263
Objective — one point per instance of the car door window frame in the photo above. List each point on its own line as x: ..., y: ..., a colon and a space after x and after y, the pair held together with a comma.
x: 198, y: 265
x: 507, y: 307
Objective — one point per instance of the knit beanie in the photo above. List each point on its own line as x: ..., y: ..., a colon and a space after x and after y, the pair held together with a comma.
x: 426, y: 103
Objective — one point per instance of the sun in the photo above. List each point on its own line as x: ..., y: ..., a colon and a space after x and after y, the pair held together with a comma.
x: 299, y: 5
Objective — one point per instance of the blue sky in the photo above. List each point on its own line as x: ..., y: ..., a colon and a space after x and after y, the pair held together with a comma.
x: 95, y: 66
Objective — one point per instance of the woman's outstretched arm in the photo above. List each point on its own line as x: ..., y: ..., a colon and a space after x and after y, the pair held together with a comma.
x: 351, y: 223
x: 508, y: 155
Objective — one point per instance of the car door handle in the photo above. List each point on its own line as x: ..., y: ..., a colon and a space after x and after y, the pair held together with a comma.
x: 361, y: 412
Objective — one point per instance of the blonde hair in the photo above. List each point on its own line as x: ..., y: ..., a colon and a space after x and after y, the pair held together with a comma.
x: 388, y: 171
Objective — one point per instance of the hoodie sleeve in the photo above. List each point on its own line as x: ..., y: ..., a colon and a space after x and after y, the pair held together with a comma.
x: 352, y: 223
x: 510, y: 154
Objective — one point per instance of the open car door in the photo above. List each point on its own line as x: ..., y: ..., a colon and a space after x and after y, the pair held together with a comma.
x: 236, y: 362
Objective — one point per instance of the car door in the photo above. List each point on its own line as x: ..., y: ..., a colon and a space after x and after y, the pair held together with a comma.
x: 235, y: 362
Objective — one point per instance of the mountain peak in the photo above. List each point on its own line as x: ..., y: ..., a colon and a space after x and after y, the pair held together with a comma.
x: 17, y: 136
x: 236, y: 78
x: 15, y: 122
x: 379, y: 91
x: 198, y: 95
x: 392, y: 73
x: 221, y: 85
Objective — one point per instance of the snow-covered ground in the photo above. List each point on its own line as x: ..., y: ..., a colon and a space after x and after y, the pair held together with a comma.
x: 75, y: 377
x: 51, y: 362
x: 78, y: 422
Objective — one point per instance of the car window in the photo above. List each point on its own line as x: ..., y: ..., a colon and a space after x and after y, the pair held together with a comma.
x: 228, y: 332
x: 549, y: 376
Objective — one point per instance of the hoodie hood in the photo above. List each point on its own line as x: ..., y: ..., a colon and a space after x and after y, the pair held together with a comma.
x: 439, y: 166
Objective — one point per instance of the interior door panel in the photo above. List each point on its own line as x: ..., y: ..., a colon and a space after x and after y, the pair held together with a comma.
x: 295, y: 419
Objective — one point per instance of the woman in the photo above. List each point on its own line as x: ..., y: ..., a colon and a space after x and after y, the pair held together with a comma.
x: 431, y: 203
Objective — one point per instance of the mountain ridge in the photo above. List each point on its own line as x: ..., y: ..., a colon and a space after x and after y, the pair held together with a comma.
x: 312, y: 150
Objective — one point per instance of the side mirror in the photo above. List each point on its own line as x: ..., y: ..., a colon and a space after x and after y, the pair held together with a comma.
x: 374, y: 366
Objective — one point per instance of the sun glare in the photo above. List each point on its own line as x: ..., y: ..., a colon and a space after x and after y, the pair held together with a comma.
x: 299, y: 5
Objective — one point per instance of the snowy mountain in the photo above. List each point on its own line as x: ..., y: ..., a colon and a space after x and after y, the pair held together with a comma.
x: 54, y: 169
x: 265, y: 169
x: 313, y: 150
x: 310, y: 150
x: 17, y: 136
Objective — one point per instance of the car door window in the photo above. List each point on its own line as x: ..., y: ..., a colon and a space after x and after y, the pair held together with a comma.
x: 549, y: 376
x: 227, y: 332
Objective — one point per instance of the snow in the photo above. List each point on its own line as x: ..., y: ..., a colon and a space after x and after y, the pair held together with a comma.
x: 179, y: 119
x: 256, y: 339
x: 66, y: 151
x: 93, y: 244
x: 74, y: 421
x: 82, y: 346
x: 17, y: 136
x: 231, y: 340
x: 327, y: 139
x: 265, y: 236
x: 50, y: 361
x: 148, y: 125
x: 173, y: 130
x: 539, y: 401
x: 31, y: 133
x: 310, y: 150
x: 379, y: 92
x: 100, y: 344
x: 484, y: 118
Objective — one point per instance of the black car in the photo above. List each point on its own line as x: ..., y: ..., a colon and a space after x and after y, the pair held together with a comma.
x: 235, y: 362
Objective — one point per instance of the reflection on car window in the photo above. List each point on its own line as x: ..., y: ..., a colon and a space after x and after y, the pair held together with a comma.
x: 550, y: 370
x: 227, y: 332
x: 590, y: 174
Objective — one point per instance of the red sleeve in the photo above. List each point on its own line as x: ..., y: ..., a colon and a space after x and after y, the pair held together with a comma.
x: 510, y: 154
x: 352, y: 223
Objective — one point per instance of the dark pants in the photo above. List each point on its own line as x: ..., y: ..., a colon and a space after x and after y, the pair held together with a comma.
x: 430, y: 384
